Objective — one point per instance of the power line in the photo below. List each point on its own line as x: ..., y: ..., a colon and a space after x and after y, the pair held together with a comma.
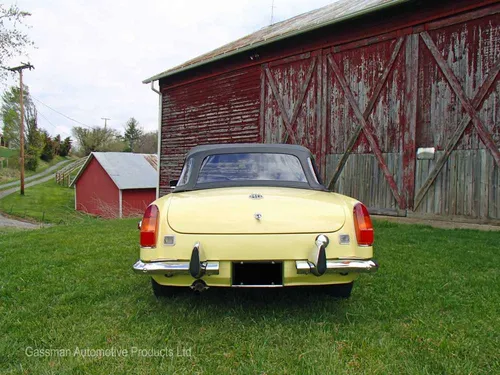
x: 60, y: 113
x: 46, y: 119
x: 50, y: 123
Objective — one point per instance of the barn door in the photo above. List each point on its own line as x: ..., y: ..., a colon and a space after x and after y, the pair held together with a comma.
x: 291, y: 102
x: 458, y: 115
x: 369, y: 141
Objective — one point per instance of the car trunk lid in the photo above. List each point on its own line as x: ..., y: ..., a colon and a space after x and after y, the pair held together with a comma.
x: 261, y: 210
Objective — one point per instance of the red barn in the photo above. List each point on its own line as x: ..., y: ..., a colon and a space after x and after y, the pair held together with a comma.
x: 116, y: 184
x: 397, y: 99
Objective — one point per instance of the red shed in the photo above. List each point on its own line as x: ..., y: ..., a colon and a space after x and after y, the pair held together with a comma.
x: 116, y: 184
x: 397, y: 99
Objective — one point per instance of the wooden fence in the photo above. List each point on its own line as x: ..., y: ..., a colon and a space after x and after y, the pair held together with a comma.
x: 65, y: 175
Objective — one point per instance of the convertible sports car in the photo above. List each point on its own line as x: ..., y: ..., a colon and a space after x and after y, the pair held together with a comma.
x: 254, y: 215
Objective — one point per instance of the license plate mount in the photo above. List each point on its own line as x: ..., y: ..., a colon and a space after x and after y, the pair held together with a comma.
x: 257, y: 274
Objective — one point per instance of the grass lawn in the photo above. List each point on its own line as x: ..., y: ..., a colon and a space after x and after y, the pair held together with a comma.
x: 433, y: 308
x: 12, y: 174
x: 47, y: 202
x: 7, y: 152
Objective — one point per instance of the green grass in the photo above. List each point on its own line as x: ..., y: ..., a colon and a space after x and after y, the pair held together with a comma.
x: 7, y: 152
x: 43, y: 165
x: 13, y: 174
x: 6, y: 230
x: 47, y: 202
x: 433, y: 308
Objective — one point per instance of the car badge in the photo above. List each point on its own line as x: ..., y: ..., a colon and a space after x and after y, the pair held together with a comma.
x: 258, y: 216
x: 255, y: 196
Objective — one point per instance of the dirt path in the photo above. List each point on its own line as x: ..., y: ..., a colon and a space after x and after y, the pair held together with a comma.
x: 11, y: 223
x: 38, y: 175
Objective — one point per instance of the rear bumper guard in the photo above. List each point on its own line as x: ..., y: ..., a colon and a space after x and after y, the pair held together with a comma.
x: 341, y: 266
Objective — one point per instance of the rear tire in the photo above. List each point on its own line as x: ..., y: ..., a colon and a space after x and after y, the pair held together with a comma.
x: 341, y: 290
x: 162, y: 290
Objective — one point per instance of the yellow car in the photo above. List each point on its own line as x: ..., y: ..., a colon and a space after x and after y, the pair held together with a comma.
x: 254, y: 215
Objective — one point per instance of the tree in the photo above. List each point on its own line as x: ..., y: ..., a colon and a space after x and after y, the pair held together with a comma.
x: 49, y: 149
x: 65, y: 147
x: 133, y: 133
x: 13, y: 41
x: 32, y: 134
x: 97, y: 139
x: 10, y: 127
x: 34, y: 142
x: 11, y: 116
x: 57, y: 144
x: 148, y: 143
x: 10, y: 112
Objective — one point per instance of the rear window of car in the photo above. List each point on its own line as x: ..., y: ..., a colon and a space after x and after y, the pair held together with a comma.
x: 186, y: 172
x: 251, y: 167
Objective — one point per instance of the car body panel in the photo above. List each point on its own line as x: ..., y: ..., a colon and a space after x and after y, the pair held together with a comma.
x: 229, y: 248
x: 290, y: 277
x: 234, y: 211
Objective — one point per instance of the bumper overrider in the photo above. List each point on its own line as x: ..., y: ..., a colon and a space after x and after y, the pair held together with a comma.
x: 316, y: 264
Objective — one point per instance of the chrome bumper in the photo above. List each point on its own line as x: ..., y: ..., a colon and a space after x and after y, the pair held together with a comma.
x: 173, y: 268
x: 339, y: 266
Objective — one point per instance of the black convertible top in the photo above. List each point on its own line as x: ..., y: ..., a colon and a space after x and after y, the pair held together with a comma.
x: 250, y: 147
x: 197, y: 154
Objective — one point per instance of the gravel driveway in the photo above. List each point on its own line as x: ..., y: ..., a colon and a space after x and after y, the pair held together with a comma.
x: 11, y: 223
x: 38, y: 175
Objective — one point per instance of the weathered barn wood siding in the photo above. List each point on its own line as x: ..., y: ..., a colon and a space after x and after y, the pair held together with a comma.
x: 371, y: 185
x: 224, y: 109
x: 292, y: 102
x: 468, y: 185
x: 366, y: 98
x: 442, y: 91
x: 364, y: 106
x: 458, y: 96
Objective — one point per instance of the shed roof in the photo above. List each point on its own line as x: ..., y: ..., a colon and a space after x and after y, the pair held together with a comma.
x: 340, y: 10
x: 127, y: 170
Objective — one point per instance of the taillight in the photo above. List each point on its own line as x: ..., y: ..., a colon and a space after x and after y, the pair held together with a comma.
x: 149, y: 227
x: 363, y: 225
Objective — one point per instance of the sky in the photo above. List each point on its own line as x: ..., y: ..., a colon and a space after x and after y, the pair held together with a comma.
x: 91, y: 56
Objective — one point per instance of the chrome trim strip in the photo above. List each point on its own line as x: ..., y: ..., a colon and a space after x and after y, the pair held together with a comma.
x: 173, y: 268
x: 339, y: 266
x: 257, y: 286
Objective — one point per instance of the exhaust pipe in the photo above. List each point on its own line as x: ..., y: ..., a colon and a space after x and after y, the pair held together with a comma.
x: 199, y: 286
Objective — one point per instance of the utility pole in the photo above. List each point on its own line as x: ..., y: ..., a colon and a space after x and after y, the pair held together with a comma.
x: 21, y: 132
x: 105, y: 121
x: 272, y: 12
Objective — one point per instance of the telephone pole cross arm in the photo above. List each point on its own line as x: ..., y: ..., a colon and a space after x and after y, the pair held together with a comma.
x: 106, y: 119
x: 21, y: 132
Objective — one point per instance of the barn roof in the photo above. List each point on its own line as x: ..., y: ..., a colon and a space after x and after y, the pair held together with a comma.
x: 340, y: 10
x: 127, y: 170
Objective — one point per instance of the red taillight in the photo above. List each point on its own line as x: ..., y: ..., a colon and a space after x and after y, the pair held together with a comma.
x: 149, y: 227
x: 363, y: 225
